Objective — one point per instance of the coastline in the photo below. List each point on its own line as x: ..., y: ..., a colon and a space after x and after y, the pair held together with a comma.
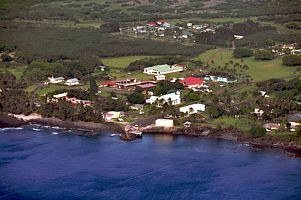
x: 90, y: 128
x: 231, y: 134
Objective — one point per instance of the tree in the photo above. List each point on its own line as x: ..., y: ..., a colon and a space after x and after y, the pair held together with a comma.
x: 264, y: 55
x: 242, y: 52
x: 110, y: 27
x: 257, y: 132
x: 136, y: 98
x: 291, y: 60
x: 7, y: 80
x: 194, y: 96
x: 214, y: 111
x: 6, y: 58
x: 93, y: 86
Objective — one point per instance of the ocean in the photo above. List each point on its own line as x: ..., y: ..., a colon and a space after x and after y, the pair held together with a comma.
x: 54, y: 164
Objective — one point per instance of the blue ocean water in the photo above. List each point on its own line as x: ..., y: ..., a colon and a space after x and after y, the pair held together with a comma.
x: 37, y: 164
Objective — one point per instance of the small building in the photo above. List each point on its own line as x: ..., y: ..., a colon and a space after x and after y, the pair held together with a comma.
x: 137, y: 107
x: 56, y: 80
x: 166, y: 123
x: 61, y: 95
x: 146, y: 85
x: 108, y: 84
x: 159, y: 77
x: 187, y: 124
x: 296, y: 52
x: 193, y: 109
x: 238, y: 37
x: 294, y: 122
x: 192, y: 82
x: 172, y: 98
x: 163, y: 69
x: 220, y: 79
x: 72, y: 82
x: 258, y: 112
x: 110, y: 116
x: 102, y: 68
x: 264, y: 94
x: 271, y: 127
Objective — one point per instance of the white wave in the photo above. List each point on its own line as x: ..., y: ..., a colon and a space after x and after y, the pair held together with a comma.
x: 6, y: 129
x: 55, y: 133
x: 36, y: 129
x: 56, y: 127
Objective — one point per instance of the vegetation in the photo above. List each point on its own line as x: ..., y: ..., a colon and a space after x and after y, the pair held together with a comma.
x: 257, y: 132
x: 136, y: 98
x: 264, y: 55
x: 291, y: 60
x: 74, y: 43
x: 242, y: 52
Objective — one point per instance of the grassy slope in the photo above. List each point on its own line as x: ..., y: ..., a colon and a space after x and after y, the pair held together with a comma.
x: 57, y: 41
x: 258, y: 70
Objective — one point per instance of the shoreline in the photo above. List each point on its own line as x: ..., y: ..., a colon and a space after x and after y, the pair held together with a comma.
x: 90, y: 128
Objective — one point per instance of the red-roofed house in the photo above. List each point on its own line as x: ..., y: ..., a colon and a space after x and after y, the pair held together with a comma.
x: 192, y: 82
x: 161, y: 22
x: 109, y: 84
x: 152, y: 24
x: 146, y: 85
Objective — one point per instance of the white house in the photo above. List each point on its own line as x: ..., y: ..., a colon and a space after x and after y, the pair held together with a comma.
x: 167, y: 123
x: 238, y: 37
x: 173, y: 98
x: 56, y: 80
x: 258, y: 112
x: 109, y: 116
x: 72, y: 82
x: 220, y: 79
x: 163, y: 69
x: 193, y: 109
x: 61, y: 95
x: 159, y: 77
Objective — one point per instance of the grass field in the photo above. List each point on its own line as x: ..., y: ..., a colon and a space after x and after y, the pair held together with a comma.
x: 16, y: 71
x: 121, y: 62
x: 258, y: 70
x: 242, y: 124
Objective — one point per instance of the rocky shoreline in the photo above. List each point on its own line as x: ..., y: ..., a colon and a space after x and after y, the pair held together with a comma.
x: 90, y: 128
x: 231, y: 134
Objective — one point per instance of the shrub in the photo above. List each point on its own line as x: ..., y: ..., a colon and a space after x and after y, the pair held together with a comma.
x: 136, y: 98
x: 6, y: 58
x: 194, y: 97
x: 291, y: 60
x: 264, y: 55
x: 257, y: 132
x: 242, y: 52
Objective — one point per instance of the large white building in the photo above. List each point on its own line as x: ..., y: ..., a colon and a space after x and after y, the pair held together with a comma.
x: 168, y: 123
x: 56, y: 79
x: 193, y: 109
x: 172, y: 98
x: 72, y: 82
x: 163, y: 69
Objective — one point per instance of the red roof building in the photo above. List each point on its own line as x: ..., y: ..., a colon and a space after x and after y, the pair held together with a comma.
x: 161, y: 22
x: 146, y: 85
x: 192, y: 82
x: 152, y: 24
x: 109, y: 84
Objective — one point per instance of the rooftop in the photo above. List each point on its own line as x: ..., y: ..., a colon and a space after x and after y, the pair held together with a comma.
x: 165, y: 68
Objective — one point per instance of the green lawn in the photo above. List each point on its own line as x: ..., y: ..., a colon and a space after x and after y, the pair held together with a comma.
x: 121, y: 62
x: 16, y: 71
x: 258, y: 70
x: 242, y: 124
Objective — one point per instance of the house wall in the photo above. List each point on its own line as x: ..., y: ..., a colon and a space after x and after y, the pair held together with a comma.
x: 165, y: 123
x: 196, y: 108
